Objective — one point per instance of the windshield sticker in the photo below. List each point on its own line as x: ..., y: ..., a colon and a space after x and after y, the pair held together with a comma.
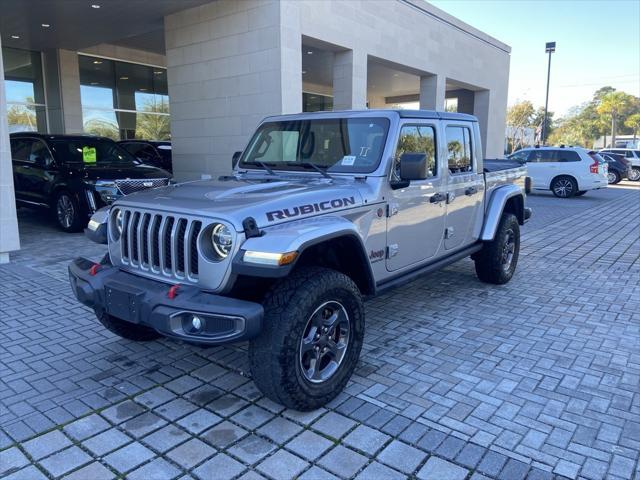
x: 348, y: 160
x: 364, y: 151
x: 310, y: 208
x: 89, y: 155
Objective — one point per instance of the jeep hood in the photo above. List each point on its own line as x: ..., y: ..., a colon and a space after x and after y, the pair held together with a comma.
x: 269, y: 200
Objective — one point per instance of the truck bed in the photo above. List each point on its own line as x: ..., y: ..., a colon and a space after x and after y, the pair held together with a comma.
x: 497, y: 164
x: 499, y: 172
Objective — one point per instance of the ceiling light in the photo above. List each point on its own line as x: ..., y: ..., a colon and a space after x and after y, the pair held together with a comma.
x: 304, y: 72
x: 143, y: 89
x: 158, y: 72
x: 396, y: 74
x: 95, y: 5
x: 124, y: 78
x: 15, y: 37
x: 46, y: 25
x: 97, y: 62
x: 309, y: 52
x: 95, y: 83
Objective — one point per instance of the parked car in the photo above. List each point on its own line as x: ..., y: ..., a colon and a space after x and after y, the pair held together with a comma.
x: 566, y: 171
x: 322, y: 209
x: 154, y: 153
x: 630, y: 154
x: 618, y: 167
x: 75, y: 175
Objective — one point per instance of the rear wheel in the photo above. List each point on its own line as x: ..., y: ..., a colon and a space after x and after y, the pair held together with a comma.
x: 128, y: 330
x: 311, y: 341
x: 564, y: 186
x: 634, y: 174
x: 613, y: 177
x: 497, y: 261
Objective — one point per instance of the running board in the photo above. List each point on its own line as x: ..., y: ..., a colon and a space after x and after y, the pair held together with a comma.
x: 430, y: 267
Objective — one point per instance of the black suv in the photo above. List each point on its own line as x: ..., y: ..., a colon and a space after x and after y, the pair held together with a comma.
x: 151, y: 152
x: 74, y: 175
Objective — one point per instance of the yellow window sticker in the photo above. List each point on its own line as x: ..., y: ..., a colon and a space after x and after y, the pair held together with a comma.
x: 89, y: 154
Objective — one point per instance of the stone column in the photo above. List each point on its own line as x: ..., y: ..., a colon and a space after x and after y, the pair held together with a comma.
x: 229, y: 64
x: 350, y: 80
x: 70, y: 91
x: 481, y: 104
x: 432, y: 92
x: 9, y: 239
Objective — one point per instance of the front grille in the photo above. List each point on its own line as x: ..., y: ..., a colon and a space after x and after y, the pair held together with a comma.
x: 134, y: 185
x: 162, y: 244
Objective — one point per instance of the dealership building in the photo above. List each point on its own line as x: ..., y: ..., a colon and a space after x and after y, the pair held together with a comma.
x: 203, y: 73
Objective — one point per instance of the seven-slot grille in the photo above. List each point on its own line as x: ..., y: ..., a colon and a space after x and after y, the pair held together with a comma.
x: 161, y: 244
x: 133, y: 185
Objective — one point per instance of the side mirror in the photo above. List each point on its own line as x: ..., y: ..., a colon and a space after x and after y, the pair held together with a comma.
x: 235, y: 159
x: 413, y: 166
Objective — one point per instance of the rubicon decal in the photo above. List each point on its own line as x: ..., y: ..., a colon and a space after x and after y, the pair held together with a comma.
x: 310, y: 208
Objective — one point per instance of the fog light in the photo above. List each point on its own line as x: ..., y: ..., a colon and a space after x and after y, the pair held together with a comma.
x: 196, y: 323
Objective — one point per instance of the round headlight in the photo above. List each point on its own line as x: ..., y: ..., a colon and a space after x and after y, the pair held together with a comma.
x: 116, y: 225
x: 119, y: 216
x: 222, y: 240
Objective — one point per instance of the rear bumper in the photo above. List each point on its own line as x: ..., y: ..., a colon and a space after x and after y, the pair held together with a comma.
x: 145, y: 302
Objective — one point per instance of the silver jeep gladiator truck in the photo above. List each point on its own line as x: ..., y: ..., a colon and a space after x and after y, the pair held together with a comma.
x: 321, y: 211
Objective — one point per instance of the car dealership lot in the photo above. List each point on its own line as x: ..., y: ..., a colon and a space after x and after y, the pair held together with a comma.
x: 539, y: 377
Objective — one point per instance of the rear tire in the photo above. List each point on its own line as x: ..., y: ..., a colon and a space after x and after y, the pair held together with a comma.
x: 128, y: 330
x: 311, y: 340
x: 564, y: 186
x: 634, y: 174
x: 613, y: 177
x: 497, y: 261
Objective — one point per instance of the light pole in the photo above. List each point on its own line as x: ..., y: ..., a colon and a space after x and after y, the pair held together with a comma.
x: 549, y: 48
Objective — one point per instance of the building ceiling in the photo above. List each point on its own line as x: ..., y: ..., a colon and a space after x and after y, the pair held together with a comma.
x: 77, y: 24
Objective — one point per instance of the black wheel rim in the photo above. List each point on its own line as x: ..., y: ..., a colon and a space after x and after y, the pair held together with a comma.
x: 65, y: 211
x: 325, y: 341
x: 508, y: 250
x: 563, y: 187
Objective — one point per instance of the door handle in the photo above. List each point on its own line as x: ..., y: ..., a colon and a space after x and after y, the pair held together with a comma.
x: 437, y: 198
x: 471, y: 191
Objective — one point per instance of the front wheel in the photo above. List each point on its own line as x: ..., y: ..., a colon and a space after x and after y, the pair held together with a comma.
x: 564, y: 187
x: 67, y: 212
x: 311, y: 341
x: 496, y: 262
x: 634, y: 174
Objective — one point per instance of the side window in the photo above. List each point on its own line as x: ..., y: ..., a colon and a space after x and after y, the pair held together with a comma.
x: 520, y: 156
x: 21, y: 149
x: 40, y: 150
x: 418, y: 139
x: 460, y: 158
x: 566, y: 156
x: 542, y: 156
x: 628, y: 154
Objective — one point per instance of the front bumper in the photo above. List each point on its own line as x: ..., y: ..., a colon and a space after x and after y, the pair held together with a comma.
x: 146, y: 302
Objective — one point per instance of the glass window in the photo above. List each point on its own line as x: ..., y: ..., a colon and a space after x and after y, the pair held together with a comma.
x: 460, y: 158
x: 93, y: 151
x: 520, y: 156
x: 26, y: 109
x: 541, y: 156
x: 21, y: 149
x: 337, y: 144
x: 418, y: 139
x: 39, y: 150
x: 314, y: 102
x: 566, y: 156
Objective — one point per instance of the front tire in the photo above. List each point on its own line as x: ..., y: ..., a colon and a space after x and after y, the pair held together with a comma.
x: 67, y: 212
x: 311, y: 340
x: 497, y: 261
x: 564, y: 186
x: 634, y: 174
x: 128, y: 330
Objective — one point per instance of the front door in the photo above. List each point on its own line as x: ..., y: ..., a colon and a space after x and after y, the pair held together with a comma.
x: 416, y: 213
x: 465, y: 186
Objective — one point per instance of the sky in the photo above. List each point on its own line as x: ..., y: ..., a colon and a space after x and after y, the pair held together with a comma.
x: 597, y: 44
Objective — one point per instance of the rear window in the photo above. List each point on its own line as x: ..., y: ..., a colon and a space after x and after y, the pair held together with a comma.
x: 566, y: 156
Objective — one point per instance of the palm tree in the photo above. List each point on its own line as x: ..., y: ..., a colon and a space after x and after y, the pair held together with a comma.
x: 633, y: 122
x: 613, y: 105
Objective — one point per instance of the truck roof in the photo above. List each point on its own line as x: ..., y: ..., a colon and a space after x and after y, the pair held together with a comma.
x: 431, y: 114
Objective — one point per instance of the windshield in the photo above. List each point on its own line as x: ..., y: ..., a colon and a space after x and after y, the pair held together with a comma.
x: 93, y: 152
x: 335, y: 144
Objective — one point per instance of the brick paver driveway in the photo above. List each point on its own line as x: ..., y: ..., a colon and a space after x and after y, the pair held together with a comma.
x: 458, y: 379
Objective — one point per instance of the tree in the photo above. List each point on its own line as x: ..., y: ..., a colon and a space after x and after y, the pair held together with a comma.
x: 614, y: 105
x: 519, y: 118
x: 633, y: 122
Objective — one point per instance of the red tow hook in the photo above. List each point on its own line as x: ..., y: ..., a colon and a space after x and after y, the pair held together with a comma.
x: 173, y: 291
x: 94, y: 269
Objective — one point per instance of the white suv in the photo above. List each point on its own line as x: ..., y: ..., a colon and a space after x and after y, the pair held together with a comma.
x: 566, y: 171
x: 633, y: 156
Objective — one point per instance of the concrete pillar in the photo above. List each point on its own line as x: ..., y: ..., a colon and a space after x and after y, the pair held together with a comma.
x: 350, y: 80
x: 432, y: 92
x: 229, y: 64
x: 69, y: 85
x: 9, y: 239
x: 481, y: 104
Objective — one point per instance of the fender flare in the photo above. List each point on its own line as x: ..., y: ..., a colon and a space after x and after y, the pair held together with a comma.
x: 499, y: 198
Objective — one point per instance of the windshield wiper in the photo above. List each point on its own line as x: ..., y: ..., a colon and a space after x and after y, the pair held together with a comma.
x: 263, y: 165
x: 318, y: 168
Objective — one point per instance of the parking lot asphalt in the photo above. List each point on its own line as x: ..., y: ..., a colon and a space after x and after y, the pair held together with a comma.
x: 539, y: 378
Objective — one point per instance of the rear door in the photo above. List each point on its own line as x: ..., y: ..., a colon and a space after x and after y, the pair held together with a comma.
x: 540, y: 168
x: 416, y: 214
x: 465, y: 185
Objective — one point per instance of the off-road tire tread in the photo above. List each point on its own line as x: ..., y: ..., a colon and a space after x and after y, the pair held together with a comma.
x: 130, y: 331
x: 270, y: 353
x: 487, y: 260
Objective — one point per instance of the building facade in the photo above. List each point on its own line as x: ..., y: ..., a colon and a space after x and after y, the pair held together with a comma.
x: 204, y: 73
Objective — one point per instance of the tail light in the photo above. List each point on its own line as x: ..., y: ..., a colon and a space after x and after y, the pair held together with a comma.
x: 593, y: 168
